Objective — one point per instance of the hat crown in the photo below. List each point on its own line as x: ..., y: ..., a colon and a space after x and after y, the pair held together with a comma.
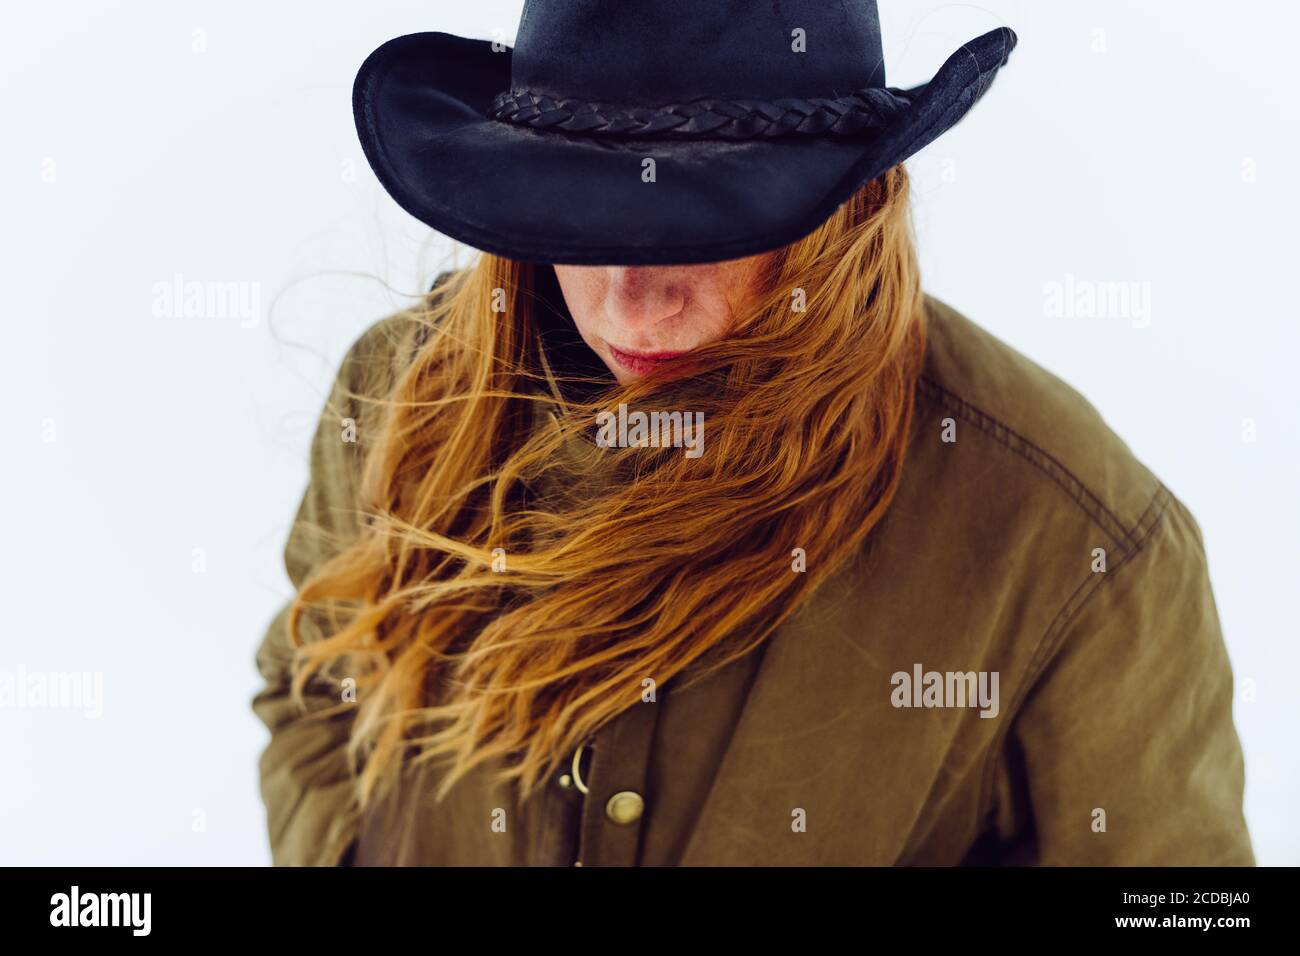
x: 653, y: 52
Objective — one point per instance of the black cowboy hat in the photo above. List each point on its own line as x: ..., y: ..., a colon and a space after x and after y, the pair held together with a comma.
x: 761, y: 118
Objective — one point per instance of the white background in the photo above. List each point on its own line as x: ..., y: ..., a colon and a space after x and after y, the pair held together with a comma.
x: 1149, y: 142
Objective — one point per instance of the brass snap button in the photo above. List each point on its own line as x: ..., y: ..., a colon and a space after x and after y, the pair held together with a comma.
x: 576, y: 779
x: 625, y: 807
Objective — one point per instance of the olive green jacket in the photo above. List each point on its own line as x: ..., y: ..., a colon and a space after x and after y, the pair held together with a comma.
x: 1026, y: 545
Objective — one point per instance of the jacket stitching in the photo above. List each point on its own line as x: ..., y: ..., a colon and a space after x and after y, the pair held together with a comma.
x: 1079, y: 598
x: 1036, y: 456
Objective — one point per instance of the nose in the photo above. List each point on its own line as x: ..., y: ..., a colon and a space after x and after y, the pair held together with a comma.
x: 640, y: 296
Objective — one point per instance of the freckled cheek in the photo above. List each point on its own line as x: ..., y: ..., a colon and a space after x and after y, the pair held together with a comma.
x: 719, y: 321
x: 594, y: 331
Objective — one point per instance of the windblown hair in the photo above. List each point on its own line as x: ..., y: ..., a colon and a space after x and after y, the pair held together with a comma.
x: 613, y: 567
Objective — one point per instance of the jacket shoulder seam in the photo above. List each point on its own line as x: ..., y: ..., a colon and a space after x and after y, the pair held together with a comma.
x: 1070, y: 483
x: 1140, y: 533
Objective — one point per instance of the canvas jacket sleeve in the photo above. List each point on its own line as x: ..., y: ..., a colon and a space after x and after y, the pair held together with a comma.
x: 304, y: 769
x: 1127, y: 737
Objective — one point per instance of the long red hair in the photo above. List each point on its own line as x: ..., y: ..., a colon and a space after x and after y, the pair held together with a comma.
x: 614, y: 566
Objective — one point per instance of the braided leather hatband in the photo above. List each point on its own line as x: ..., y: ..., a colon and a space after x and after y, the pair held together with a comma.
x: 862, y: 112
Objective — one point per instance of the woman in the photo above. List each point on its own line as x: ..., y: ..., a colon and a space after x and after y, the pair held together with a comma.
x: 682, y: 528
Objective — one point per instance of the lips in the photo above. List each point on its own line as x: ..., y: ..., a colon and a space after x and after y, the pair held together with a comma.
x: 641, y: 363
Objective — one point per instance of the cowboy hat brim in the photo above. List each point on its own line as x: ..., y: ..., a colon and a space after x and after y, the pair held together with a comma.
x: 420, y: 103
